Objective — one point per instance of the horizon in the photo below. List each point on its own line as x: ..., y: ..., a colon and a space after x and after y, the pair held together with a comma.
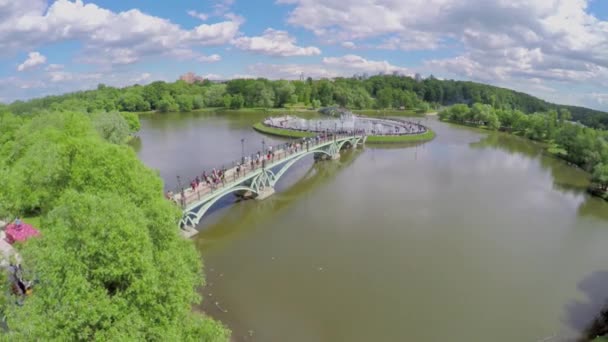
x: 554, y: 50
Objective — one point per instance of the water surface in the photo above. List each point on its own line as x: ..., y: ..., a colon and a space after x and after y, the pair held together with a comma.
x: 470, y: 237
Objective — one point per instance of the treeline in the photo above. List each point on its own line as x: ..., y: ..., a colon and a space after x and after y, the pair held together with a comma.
x: 580, y: 145
x: 378, y: 92
x: 110, y: 264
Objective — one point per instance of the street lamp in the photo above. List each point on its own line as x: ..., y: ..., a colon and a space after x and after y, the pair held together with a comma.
x: 179, y: 182
x: 263, y: 147
x: 242, y: 151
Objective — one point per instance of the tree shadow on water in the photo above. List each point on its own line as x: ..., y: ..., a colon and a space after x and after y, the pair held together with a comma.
x: 590, y: 317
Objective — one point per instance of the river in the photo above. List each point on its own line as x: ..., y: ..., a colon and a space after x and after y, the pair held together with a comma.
x: 473, y: 236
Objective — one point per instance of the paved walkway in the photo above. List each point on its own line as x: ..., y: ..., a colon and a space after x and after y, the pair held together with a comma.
x: 280, y: 152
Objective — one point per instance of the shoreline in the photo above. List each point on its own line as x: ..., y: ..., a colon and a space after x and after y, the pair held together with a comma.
x: 428, y: 135
x: 548, y: 151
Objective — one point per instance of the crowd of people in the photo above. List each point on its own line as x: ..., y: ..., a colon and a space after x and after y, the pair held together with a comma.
x: 207, y: 182
x: 375, y: 126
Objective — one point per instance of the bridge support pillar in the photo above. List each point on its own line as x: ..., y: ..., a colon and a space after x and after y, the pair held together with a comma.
x: 264, y: 194
x: 335, y: 156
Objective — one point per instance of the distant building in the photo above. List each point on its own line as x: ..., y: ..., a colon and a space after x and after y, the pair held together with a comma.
x: 418, y: 77
x: 191, y: 77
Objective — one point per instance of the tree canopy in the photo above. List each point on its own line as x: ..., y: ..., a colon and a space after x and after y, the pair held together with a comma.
x: 583, y: 146
x: 110, y: 264
x: 379, y: 92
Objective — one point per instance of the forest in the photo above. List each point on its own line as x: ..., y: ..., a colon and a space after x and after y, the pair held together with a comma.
x: 583, y: 146
x: 110, y: 265
x: 375, y: 92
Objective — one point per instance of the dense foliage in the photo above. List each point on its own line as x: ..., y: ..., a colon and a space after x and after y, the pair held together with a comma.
x: 583, y: 146
x: 110, y: 264
x: 380, y: 92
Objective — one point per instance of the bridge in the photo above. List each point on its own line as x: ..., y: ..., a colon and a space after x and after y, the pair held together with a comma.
x: 257, y: 177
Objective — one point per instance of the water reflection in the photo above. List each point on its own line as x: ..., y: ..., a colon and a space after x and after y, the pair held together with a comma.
x: 567, y: 179
x: 297, y: 181
x: 580, y: 314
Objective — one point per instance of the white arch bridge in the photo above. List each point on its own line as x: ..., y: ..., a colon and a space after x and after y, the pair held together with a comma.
x: 258, y: 178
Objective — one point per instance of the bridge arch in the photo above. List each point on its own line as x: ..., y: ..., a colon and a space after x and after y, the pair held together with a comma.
x: 353, y: 142
x: 290, y: 163
x: 193, y: 217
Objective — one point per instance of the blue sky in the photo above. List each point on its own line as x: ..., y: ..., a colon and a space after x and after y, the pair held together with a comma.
x: 554, y: 49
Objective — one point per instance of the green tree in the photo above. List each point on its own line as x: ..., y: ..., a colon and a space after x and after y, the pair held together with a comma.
x: 108, y: 282
x: 110, y: 263
x: 214, y: 95
x: 133, y: 121
x: 384, y: 99
x: 600, y: 176
x: 227, y: 99
x: 283, y: 93
x: 167, y: 104
x: 237, y: 101
x: 185, y: 102
x: 112, y: 126
x: 198, y: 102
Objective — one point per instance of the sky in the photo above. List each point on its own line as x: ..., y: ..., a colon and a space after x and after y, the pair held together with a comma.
x: 554, y: 49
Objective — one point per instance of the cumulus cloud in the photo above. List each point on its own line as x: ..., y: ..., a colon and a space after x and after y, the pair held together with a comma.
x: 54, y: 67
x: 601, y: 98
x: 34, y: 59
x: 549, y: 39
x: 142, y: 79
x: 275, y: 43
x: 108, y: 37
x: 330, y: 67
x: 198, y: 15
x: 348, y: 45
x: 210, y: 59
x: 358, y: 63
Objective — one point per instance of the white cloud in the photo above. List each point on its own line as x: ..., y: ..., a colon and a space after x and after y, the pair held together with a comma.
x: 214, y: 77
x: 221, y: 7
x: 54, y: 67
x: 412, y: 41
x: 500, y: 39
x: 275, y: 43
x: 108, y: 37
x: 198, y: 15
x: 34, y: 59
x: 142, y: 79
x: 330, y: 67
x: 210, y: 59
x: 361, y: 64
x: 348, y: 45
x: 601, y: 98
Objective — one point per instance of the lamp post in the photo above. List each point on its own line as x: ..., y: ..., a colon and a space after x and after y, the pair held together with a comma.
x: 179, y: 182
x: 242, y: 151
x: 263, y: 147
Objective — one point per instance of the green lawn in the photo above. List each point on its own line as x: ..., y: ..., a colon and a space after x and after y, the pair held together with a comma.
x: 393, y: 139
x: 260, y: 127
x: 32, y: 220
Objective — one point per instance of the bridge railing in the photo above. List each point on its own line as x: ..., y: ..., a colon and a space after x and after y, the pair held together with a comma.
x: 240, y: 171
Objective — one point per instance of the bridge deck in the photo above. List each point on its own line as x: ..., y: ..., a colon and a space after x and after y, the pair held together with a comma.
x: 195, y: 197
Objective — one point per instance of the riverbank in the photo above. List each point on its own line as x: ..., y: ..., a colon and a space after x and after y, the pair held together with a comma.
x: 374, y: 139
x: 299, y: 110
x: 550, y: 148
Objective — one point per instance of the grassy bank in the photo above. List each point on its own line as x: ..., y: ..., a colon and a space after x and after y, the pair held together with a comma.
x: 285, y: 133
x: 374, y: 139
x: 301, y: 110
x: 395, y: 139
x: 551, y: 148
